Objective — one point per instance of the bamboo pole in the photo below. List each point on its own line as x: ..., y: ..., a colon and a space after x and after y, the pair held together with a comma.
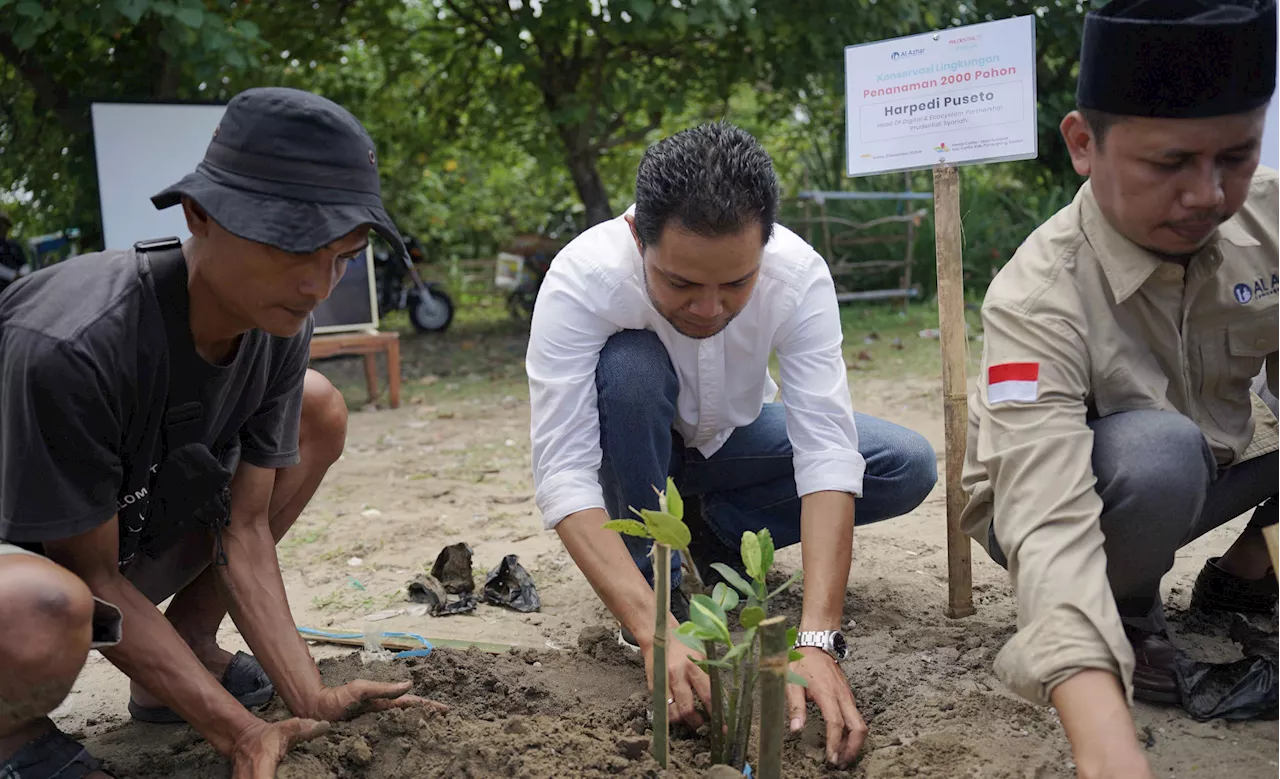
x: 773, y: 694
x: 746, y: 709
x: 954, y: 344
x: 662, y: 593
x: 717, y: 705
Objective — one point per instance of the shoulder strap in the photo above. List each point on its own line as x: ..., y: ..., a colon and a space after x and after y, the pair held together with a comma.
x: 184, y: 410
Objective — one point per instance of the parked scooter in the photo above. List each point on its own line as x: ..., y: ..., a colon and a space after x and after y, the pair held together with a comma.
x: 401, y: 287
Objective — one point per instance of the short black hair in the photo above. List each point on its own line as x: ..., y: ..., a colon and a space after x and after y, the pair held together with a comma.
x: 1099, y: 121
x: 712, y: 180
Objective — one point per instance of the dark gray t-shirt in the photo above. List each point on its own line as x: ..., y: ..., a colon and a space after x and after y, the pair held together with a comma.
x: 83, y: 391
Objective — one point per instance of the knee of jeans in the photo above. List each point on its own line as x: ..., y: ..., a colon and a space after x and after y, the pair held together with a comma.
x: 916, y: 474
x: 1161, y: 463
x: 634, y: 366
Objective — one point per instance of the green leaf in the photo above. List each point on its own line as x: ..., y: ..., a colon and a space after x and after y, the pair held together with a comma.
x: 247, y: 28
x: 794, y: 656
x: 163, y: 8
x: 191, y: 17
x: 26, y: 36
x: 706, y: 664
x: 737, y: 651
x: 733, y: 578
x: 726, y: 597
x: 666, y: 529
x: 627, y: 527
x: 643, y: 9
x: 795, y: 678
x: 690, y: 640
x: 707, y: 614
x: 237, y: 60
x: 30, y: 9
x: 792, y: 634
x: 795, y: 577
x: 766, y: 552
x: 131, y: 9
x: 751, y: 616
x: 675, y: 503
x: 3, y: 3
x: 751, y: 554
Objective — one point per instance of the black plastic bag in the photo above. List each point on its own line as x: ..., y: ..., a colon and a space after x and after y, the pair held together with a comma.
x: 427, y: 589
x: 511, y: 585
x: 1240, y: 690
x: 453, y: 569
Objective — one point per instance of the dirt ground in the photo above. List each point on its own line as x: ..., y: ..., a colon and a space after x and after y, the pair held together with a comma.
x: 452, y: 465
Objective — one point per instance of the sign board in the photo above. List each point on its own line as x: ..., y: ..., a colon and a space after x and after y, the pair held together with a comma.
x: 141, y: 148
x: 1271, y: 138
x: 958, y: 96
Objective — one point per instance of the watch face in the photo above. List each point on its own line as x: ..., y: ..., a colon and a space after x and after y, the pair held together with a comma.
x: 839, y: 645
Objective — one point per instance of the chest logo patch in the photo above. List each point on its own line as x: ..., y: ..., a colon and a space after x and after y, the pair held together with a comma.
x: 1245, y: 292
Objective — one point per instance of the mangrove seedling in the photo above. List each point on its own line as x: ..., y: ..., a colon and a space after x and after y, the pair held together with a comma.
x: 667, y: 530
x: 735, y: 666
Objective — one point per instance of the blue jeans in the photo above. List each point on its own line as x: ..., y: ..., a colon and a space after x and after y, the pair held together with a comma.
x: 749, y: 483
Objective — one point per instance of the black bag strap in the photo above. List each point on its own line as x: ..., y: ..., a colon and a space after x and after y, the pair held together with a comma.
x: 184, y: 409
x: 184, y: 413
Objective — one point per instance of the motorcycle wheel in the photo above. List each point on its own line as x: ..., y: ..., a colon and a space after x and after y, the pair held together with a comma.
x: 430, y: 314
x: 520, y: 301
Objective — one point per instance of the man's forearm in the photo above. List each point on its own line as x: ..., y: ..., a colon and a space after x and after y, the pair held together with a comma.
x: 152, y: 654
x: 603, y: 558
x: 258, y: 604
x: 826, y: 549
x: 1098, y: 724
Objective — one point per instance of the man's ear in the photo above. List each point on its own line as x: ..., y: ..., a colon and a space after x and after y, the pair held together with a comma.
x: 1081, y: 142
x: 198, y: 220
x: 631, y: 222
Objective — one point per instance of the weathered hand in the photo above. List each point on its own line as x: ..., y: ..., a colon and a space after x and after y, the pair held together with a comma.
x: 684, y: 681
x: 360, y: 696
x: 260, y: 747
x: 828, y: 688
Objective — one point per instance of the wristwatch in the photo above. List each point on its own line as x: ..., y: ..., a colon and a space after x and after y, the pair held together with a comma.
x: 830, y: 641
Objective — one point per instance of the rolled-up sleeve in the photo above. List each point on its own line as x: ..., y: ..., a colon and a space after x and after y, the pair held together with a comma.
x: 815, y: 392
x: 1035, y: 443
x: 565, y: 340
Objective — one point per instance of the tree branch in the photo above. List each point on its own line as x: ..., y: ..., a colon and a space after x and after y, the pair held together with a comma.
x: 655, y: 121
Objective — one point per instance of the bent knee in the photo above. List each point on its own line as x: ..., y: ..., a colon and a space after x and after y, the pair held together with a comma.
x: 634, y: 366
x: 1156, y: 457
x: 324, y: 418
x: 53, y: 606
x: 917, y: 471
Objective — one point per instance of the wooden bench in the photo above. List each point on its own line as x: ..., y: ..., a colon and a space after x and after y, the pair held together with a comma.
x: 369, y: 344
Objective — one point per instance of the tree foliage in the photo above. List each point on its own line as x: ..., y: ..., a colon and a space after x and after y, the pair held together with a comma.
x: 494, y: 116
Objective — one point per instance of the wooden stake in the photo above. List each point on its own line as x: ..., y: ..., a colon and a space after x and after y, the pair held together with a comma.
x: 1273, y: 545
x: 954, y: 343
x: 662, y: 592
x: 773, y: 694
x: 717, y: 705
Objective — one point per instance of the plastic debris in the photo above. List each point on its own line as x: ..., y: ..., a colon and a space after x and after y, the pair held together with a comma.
x: 510, y: 585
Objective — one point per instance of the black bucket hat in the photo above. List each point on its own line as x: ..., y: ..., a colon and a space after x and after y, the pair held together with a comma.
x: 289, y: 169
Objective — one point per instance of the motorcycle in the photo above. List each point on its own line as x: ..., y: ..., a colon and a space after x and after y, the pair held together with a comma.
x: 402, y: 288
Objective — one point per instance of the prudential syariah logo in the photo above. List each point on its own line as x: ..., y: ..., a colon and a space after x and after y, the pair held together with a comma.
x: 904, y: 53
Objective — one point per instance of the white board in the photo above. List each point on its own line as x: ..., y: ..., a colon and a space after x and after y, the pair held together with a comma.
x: 1271, y: 137
x: 959, y: 96
x: 142, y: 148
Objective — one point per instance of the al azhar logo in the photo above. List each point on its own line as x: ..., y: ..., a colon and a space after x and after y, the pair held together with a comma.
x: 1243, y: 293
x: 897, y: 55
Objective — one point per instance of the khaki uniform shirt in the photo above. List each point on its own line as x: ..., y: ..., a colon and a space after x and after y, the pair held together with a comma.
x: 1083, y: 322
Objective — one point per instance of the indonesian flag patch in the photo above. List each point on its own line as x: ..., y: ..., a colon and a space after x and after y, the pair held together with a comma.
x: 1013, y: 382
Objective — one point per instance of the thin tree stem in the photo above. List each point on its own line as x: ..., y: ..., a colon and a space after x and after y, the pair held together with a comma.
x: 662, y: 593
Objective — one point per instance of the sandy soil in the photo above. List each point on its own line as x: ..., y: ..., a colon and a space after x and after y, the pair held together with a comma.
x: 424, y: 476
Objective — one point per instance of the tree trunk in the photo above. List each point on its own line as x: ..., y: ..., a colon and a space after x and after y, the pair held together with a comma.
x: 586, y: 179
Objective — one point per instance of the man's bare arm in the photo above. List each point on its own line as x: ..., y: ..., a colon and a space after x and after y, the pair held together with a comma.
x: 826, y: 550
x: 1099, y: 726
x: 256, y: 596
x: 603, y: 558
x: 151, y: 652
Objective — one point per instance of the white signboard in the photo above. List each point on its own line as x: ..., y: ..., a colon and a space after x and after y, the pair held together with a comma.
x: 961, y: 96
x: 1271, y: 134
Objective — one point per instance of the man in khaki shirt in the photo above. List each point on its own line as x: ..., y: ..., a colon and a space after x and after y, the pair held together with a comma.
x: 1114, y: 420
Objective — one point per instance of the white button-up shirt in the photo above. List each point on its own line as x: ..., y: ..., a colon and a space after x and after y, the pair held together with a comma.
x: 596, y: 288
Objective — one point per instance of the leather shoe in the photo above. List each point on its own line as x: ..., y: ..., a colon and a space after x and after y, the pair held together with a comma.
x: 1217, y: 590
x: 1155, y: 676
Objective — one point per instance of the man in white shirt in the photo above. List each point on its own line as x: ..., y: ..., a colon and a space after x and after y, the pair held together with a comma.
x: 649, y: 356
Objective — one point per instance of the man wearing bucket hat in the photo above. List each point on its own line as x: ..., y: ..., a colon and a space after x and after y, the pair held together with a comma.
x: 1127, y: 396
x: 160, y: 432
